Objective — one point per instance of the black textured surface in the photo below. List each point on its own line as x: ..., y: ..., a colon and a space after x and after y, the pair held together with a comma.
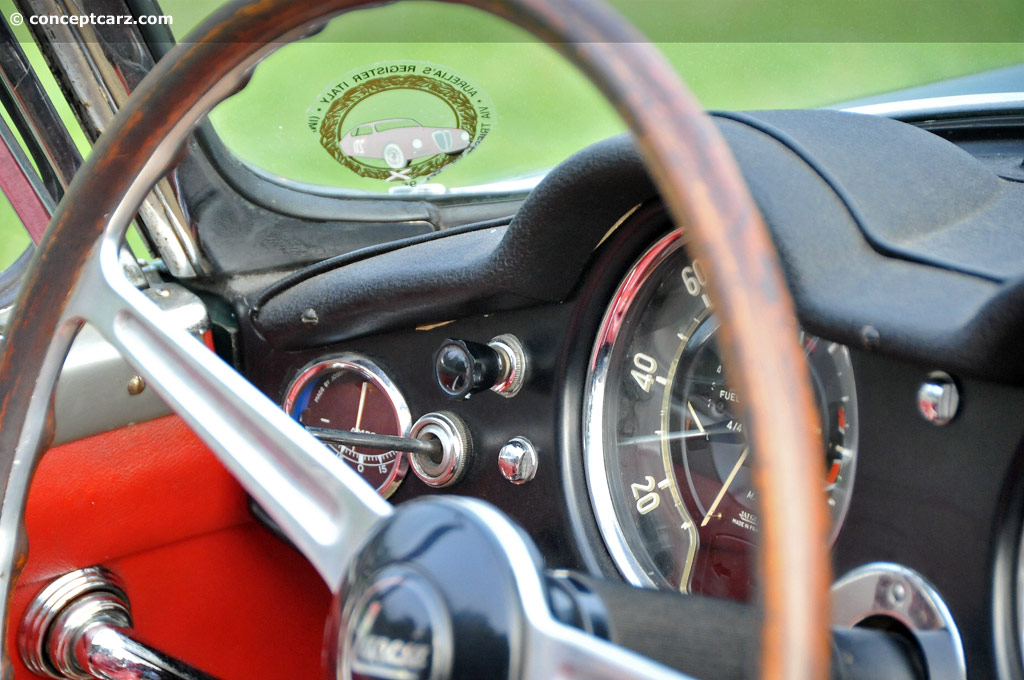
x: 930, y: 498
x: 539, y: 258
x: 716, y: 639
x: 704, y: 637
x: 843, y: 285
x: 239, y: 236
x: 914, y: 195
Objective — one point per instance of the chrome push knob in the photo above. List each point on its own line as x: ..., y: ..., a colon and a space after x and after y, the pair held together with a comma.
x: 451, y: 436
x: 517, y: 460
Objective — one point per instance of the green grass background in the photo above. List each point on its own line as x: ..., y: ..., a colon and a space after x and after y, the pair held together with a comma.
x: 732, y: 53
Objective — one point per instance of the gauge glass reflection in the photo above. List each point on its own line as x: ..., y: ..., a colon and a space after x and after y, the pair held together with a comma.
x: 668, y: 463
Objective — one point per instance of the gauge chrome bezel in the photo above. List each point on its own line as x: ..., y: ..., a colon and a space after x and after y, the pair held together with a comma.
x: 594, y: 423
x: 351, y: 361
x: 593, y: 410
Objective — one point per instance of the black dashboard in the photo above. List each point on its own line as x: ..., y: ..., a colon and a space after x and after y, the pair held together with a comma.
x: 898, y: 244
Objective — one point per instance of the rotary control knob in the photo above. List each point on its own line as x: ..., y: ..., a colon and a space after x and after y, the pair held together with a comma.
x: 463, y: 367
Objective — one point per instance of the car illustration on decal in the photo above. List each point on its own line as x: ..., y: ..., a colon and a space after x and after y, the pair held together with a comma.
x: 396, y: 141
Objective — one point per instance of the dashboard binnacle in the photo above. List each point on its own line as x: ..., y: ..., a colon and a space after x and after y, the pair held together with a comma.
x: 642, y: 470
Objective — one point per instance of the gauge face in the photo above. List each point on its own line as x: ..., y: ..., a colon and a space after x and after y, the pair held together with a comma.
x: 668, y: 464
x: 352, y: 393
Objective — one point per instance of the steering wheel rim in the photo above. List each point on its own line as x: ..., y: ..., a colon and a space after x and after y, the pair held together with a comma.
x: 76, y: 279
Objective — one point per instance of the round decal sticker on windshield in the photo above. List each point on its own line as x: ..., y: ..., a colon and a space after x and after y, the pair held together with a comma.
x: 401, y: 122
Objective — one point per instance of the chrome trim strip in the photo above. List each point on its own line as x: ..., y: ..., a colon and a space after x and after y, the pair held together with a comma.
x: 1017, y: 607
x: 102, y: 80
x: 45, y: 128
x: 32, y: 178
x: 946, y: 107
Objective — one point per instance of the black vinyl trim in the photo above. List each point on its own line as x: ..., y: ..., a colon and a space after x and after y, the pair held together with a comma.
x: 362, y: 254
x: 844, y: 196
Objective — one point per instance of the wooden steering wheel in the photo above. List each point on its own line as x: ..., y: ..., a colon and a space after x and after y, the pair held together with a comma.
x: 318, y: 502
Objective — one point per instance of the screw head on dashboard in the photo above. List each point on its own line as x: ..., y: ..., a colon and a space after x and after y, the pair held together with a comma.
x: 938, y: 398
x: 136, y: 385
x: 517, y: 460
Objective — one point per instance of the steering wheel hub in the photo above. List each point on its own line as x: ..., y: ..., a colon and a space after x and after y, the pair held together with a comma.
x: 398, y: 627
x: 406, y: 610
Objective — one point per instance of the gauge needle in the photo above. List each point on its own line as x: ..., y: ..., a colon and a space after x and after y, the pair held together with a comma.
x: 693, y: 414
x: 359, y: 409
x: 669, y: 436
x: 725, y: 487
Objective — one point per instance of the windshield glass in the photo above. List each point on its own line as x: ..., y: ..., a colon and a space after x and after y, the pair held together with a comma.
x: 428, y: 97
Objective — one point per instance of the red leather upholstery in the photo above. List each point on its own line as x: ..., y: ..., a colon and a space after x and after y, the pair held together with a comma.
x: 207, y: 583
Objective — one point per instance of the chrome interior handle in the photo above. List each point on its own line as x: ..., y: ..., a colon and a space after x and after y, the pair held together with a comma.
x: 111, y: 653
x: 79, y: 627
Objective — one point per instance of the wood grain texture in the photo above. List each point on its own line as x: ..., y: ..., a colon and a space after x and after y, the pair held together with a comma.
x: 694, y: 172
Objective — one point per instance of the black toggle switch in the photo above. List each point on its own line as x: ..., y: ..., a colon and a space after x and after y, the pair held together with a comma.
x: 463, y: 367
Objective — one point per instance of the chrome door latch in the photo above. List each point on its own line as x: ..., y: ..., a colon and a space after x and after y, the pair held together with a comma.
x: 79, y: 627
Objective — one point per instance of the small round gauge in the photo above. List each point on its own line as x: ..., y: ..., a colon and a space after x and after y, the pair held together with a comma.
x: 668, y: 465
x: 350, y: 392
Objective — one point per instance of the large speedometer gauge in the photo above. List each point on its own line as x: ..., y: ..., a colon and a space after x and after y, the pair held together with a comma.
x: 667, y: 460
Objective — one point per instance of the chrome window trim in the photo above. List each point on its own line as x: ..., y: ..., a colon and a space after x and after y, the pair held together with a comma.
x: 946, y: 107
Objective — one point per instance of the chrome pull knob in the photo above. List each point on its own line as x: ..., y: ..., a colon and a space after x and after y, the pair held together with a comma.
x: 463, y: 368
x: 78, y: 627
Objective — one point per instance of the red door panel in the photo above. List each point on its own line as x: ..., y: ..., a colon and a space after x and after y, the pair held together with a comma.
x: 207, y: 583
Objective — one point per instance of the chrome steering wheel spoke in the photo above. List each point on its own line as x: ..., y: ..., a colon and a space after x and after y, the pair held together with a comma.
x: 553, y: 649
x: 560, y: 651
x: 320, y: 503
